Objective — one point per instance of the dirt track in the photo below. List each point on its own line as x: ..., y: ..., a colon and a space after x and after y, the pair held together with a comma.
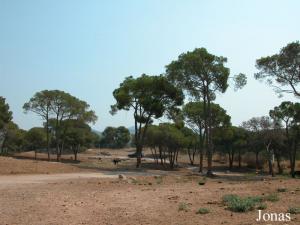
x: 42, y: 178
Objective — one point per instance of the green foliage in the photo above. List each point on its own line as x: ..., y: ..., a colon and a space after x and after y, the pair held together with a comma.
x: 238, y: 204
x: 115, y: 137
x: 203, y: 211
x: 281, y: 69
x: 282, y: 189
x: 169, y: 140
x: 149, y: 97
x: 202, y: 181
x: 202, y: 75
x: 294, y: 210
x: 5, y: 120
x: 193, y: 69
x: 272, y: 197
x: 183, y: 207
x: 262, y: 206
x: 58, y: 108
x: 5, y: 114
x: 13, y: 139
x: 36, y: 138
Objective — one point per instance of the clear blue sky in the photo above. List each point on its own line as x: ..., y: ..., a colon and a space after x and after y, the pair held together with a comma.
x: 88, y: 47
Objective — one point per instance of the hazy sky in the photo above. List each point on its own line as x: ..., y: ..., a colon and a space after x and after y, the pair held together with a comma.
x: 88, y: 47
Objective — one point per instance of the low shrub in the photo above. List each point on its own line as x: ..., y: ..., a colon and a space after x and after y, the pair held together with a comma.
x: 203, y: 211
x: 202, y: 181
x: 282, y: 189
x: 238, y: 204
x: 183, y: 207
x: 272, y: 197
x: 294, y: 210
x: 262, y: 206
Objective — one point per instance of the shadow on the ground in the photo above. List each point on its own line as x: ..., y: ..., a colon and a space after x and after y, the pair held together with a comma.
x: 63, y: 160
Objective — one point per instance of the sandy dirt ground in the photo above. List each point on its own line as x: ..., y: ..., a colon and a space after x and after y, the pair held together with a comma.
x: 65, y: 193
x: 143, y: 200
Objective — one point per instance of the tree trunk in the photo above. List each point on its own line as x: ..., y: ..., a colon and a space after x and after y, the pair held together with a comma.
x: 201, y: 161
x: 256, y: 161
x: 76, y: 152
x: 280, y: 171
x: 47, y: 135
x: 190, y: 157
x: 240, y: 159
x: 209, y: 139
x: 230, y: 156
x: 139, y: 156
x: 293, y: 159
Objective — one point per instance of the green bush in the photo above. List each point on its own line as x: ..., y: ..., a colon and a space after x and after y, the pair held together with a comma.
x: 202, y: 181
x: 294, y: 210
x: 282, y: 189
x: 183, y: 207
x: 238, y: 204
x: 272, y: 197
x: 262, y: 206
x: 203, y: 211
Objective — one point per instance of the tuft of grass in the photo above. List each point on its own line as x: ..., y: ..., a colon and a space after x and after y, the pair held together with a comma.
x: 282, y: 190
x: 294, y: 210
x: 272, y: 197
x: 158, y: 180
x: 183, y: 207
x: 262, y: 206
x: 203, y: 211
x: 238, y: 204
x: 202, y: 181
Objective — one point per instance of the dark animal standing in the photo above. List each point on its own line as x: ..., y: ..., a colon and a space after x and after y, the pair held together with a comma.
x: 116, y: 161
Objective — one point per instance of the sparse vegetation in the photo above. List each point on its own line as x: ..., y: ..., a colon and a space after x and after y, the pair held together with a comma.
x: 202, y: 181
x: 294, y: 210
x: 238, y: 204
x: 183, y: 207
x: 262, y: 206
x: 272, y: 197
x: 282, y: 189
x: 203, y: 211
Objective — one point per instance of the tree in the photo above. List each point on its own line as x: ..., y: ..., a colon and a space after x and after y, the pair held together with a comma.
x: 169, y: 139
x: 191, y: 143
x: 122, y: 137
x: 230, y: 140
x: 287, y: 114
x: 266, y: 131
x: 40, y: 104
x: 13, y: 138
x: 149, y: 97
x: 108, y: 137
x: 78, y: 136
x: 36, y: 138
x: 115, y: 137
x: 54, y: 107
x: 202, y: 75
x: 67, y: 107
x: 193, y: 114
x: 282, y: 69
x: 5, y: 118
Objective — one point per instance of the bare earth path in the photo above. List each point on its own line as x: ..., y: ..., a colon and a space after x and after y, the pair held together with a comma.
x: 43, y: 178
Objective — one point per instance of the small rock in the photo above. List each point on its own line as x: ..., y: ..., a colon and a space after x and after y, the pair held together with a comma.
x: 122, y: 177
